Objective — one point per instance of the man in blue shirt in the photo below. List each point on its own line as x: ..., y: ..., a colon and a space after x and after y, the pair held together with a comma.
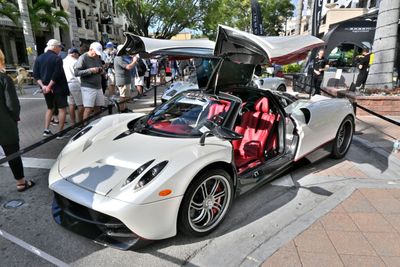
x: 49, y: 74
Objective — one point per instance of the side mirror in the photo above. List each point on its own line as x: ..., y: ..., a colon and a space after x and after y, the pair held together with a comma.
x: 221, y: 133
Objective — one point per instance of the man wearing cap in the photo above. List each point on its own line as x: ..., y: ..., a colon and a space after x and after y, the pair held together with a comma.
x: 123, y: 78
x: 89, y: 68
x: 49, y: 74
x: 74, y: 85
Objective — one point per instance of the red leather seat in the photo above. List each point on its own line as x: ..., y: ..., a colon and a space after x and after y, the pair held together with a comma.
x: 255, y: 127
x: 218, y: 108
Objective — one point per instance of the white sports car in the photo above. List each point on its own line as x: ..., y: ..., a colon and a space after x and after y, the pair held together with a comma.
x: 129, y: 178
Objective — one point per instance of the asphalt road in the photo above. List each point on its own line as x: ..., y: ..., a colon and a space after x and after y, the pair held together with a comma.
x: 257, y: 220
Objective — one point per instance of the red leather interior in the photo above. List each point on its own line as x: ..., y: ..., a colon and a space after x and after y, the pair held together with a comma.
x: 167, y: 127
x: 255, y: 127
x: 218, y: 108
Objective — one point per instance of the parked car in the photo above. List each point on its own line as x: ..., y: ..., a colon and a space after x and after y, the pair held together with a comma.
x: 273, y: 83
x: 128, y: 178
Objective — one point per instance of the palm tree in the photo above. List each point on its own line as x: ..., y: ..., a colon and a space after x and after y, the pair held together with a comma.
x: 44, y: 15
x: 299, y: 16
x: 9, y: 9
x: 27, y: 29
x: 384, y: 48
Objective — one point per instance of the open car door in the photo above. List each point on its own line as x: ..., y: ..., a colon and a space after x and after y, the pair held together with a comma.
x: 180, y: 49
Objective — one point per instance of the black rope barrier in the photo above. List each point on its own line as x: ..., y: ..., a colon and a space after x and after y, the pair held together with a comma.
x: 48, y: 139
x: 355, y: 105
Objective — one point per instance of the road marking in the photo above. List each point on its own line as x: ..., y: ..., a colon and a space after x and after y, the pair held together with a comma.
x: 33, y: 249
x: 35, y: 163
x: 31, y: 98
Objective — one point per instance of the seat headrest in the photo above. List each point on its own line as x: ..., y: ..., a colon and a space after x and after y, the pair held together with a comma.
x: 261, y: 105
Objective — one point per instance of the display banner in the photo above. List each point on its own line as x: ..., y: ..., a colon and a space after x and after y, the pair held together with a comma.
x: 316, y: 19
x: 256, y: 18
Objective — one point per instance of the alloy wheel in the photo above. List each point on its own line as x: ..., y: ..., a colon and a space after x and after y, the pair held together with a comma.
x: 209, y: 203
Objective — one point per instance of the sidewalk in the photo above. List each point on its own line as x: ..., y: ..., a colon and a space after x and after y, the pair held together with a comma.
x: 362, y: 230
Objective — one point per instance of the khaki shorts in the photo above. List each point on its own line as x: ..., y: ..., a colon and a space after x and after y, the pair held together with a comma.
x: 92, y: 97
x: 124, y: 90
x: 75, y: 97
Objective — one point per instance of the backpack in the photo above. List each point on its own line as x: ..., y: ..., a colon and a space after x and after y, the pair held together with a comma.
x: 141, y: 68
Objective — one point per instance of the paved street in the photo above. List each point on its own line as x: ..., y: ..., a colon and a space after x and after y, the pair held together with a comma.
x: 259, y: 224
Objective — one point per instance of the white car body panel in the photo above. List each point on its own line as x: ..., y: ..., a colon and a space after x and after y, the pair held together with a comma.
x: 270, y: 82
x: 322, y: 126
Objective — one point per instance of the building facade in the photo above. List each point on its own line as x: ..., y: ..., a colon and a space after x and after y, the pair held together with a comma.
x: 89, y: 21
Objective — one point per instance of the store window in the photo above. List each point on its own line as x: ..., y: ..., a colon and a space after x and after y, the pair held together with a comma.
x: 78, y: 17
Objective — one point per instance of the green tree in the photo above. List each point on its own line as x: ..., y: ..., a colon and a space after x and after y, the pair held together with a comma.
x: 275, y: 13
x: 237, y: 13
x: 43, y: 15
x: 166, y: 17
x: 9, y: 9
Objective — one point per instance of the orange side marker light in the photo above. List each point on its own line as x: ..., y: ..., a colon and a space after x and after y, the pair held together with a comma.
x: 165, y: 192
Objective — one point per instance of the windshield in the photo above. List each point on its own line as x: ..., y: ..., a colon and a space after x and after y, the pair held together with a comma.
x: 188, y: 114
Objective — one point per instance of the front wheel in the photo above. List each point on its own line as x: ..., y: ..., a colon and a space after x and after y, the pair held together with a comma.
x: 343, y: 138
x: 206, y: 203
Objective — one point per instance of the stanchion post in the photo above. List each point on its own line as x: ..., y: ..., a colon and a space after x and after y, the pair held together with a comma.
x: 354, y: 108
x: 155, y: 95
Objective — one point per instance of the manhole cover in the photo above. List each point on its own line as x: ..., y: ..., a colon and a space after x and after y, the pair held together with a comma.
x: 13, y: 204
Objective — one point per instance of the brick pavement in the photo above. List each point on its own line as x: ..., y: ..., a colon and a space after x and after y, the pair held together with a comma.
x: 364, y: 230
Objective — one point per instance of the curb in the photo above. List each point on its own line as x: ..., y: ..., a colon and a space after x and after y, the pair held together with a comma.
x: 377, y: 151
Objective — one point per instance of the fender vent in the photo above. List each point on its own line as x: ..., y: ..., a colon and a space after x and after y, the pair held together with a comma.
x: 307, y: 114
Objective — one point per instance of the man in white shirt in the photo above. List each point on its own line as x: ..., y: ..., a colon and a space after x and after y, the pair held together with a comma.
x: 75, y: 97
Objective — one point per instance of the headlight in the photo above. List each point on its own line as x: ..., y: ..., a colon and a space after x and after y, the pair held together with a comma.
x: 151, y: 174
x: 137, y: 172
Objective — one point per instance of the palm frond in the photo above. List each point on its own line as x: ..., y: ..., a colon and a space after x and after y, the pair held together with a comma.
x: 10, y: 10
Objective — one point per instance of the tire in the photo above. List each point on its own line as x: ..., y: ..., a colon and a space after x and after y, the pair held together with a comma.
x: 281, y: 88
x: 343, y: 138
x: 201, y: 212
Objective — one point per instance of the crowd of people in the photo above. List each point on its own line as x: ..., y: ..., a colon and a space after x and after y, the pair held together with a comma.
x: 83, y: 82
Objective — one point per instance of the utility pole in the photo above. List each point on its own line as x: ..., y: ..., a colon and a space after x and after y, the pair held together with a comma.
x: 299, y: 16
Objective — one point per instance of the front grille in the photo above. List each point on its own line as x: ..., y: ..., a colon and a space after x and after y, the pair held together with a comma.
x: 86, y: 214
x: 95, y: 225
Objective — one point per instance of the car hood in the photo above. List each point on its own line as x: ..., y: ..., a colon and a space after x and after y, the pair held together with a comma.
x: 246, y: 48
x: 106, y: 162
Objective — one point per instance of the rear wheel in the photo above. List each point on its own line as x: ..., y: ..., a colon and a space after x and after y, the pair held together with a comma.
x: 281, y: 88
x: 206, y: 203
x: 343, y: 138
